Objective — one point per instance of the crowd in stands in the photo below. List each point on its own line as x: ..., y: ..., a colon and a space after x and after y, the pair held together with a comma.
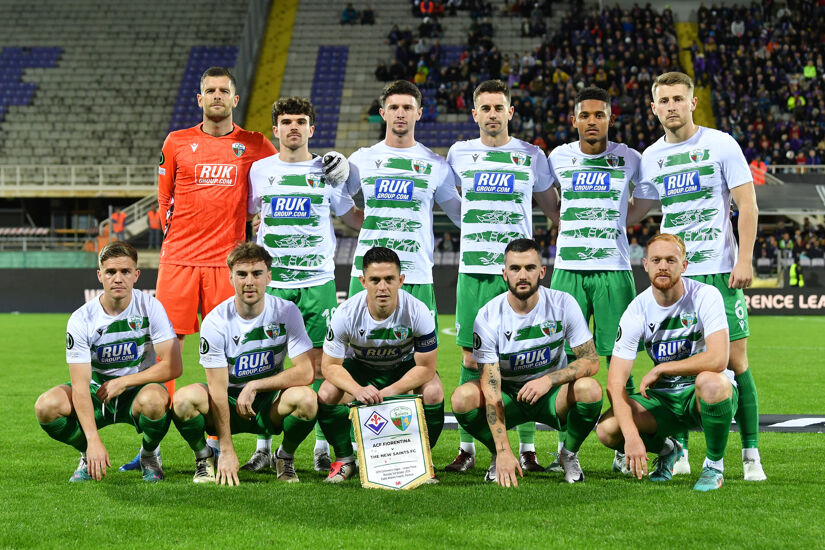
x: 619, y: 50
x: 766, y: 71
x: 790, y: 240
x: 350, y: 16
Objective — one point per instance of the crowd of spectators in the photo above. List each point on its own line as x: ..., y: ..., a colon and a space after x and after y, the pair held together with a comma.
x: 767, y: 74
x: 787, y: 239
x: 350, y: 16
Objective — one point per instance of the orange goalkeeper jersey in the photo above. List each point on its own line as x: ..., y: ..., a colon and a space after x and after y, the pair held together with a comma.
x: 202, y: 190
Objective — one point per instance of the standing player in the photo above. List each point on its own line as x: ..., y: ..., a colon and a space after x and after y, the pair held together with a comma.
x: 518, y: 342
x: 120, y: 348
x: 683, y: 326
x: 244, y: 341
x: 694, y: 172
x: 499, y: 177
x: 202, y: 193
x: 595, y: 178
x: 295, y: 199
x: 400, y: 178
x: 381, y: 342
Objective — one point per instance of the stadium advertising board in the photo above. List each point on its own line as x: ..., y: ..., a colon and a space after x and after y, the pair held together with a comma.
x: 761, y: 301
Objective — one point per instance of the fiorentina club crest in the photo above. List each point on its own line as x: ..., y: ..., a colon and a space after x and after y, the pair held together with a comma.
x: 401, y: 332
x: 135, y: 322
x: 272, y: 331
x: 519, y: 158
x: 238, y: 148
x: 548, y: 328
x: 697, y: 155
x: 612, y: 160
x: 420, y: 167
x: 313, y: 180
x: 401, y: 417
x: 688, y: 319
x: 375, y: 423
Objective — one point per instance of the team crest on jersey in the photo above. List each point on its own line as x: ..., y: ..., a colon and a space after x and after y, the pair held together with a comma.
x: 420, y: 167
x: 401, y: 332
x: 238, y: 148
x: 518, y: 158
x: 314, y: 180
x: 401, y: 417
x: 375, y: 423
x: 688, y: 319
x: 697, y: 155
x: 135, y: 322
x: 548, y: 328
x: 272, y: 330
x: 612, y: 160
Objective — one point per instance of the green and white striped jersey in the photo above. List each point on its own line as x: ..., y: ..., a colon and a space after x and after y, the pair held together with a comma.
x: 595, y: 190
x: 529, y: 346
x: 399, y: 187
x: 693, y: 179
x: 381, y: 345
x: 672, y: 333
x: 497, y: 185
x: 252, y: 348
x: 121, y: 344
x: 295, y: 202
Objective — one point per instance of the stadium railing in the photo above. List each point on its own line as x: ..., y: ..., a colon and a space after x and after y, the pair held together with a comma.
x: 87, y: 180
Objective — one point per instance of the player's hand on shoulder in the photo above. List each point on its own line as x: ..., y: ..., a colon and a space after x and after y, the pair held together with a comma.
x: 636, y: 456
x: 336, y: 168
x: 368, y: 395
x: 506, y: 467
x: 227, y: 472
x: 534, y: 390
x: 97, y: 459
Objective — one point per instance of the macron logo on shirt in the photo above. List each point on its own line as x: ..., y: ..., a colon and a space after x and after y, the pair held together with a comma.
x: 679, y: 184
x: 215, y: 174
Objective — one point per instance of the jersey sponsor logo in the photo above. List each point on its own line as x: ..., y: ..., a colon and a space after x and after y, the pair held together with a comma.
x: 375, y: 423
x: 255, y: 362
x: 204, y: 346
x: 272, y: 330
x: 290, y: 207
x: 679, y: 184
x: 493, y: 182
x: 591, y: 181
x: 215, y: 174
x: 401, y: 417
x: 238, y: 148
x: 117, y: 353
x: 532, y: 359
x: 394, y: 189
x: 673, y: 350
x: 475, y: 157
x: 314, y: 180
x: 236, y: 339
x: 69, y: 341
x: 382, y: 353
x: 687, y: 319
x: 401, y: 332
x: 612, y: 160
x: 518, y: 158
x: 135, y: 323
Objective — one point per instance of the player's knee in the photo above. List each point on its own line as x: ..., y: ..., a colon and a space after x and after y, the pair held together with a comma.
x: 712, y: 387
x: 432, y: 392
x: 152, y: 401
x: 184, y: 403
x: 51, y: 405
x: 607, y: 430
x: 306, y: 403
x: 328, y: 394
x: 587, y: 390
x: 462, y: 399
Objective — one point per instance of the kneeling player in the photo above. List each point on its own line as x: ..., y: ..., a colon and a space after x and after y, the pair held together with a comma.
x: 112, y: 344
x: 683, y: 325
x: 518, y: 342
x: 243, y: 344
x: 388, y: 339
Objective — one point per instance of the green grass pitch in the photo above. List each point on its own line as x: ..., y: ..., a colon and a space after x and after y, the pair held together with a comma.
x: 41, y: 509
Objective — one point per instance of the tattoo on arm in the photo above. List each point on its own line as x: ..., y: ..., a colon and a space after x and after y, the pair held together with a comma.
x: 491, y: 375
x: 578, y: 368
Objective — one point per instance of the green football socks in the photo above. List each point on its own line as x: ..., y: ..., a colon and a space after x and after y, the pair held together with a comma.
x: 66, y: 429
x: 581, y: 419
x: 434, y: 416
x: 154, y: 430
x: 747, y: 415
x: 716, y: 419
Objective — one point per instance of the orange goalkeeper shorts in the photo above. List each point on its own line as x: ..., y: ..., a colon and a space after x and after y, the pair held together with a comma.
x: 181, y: 289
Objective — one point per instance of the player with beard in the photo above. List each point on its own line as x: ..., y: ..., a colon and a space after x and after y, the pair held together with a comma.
x: 683, y: 326
x: 518, y: 342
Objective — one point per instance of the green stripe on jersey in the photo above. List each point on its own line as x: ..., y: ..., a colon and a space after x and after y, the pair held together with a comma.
x: 701, y: 256
x: 277, y: 222
x: 387, y: 203
x: 390, y: 224
x: 123, y: 325
x: 404, y: 245
x: 593, y: 233
x: 536, y: 331
x: 482, y: 258
x: 703, y: 171
x: 590, y: 214
x: 417, y: 182
x: 704, y: 193
x: 687, y: 158
x: 506, y: 157
x: 259, y: 333
x: 583, y: 253
x: 515, y: 197
x: 613, y: 194
x: 493, y: 236
x: 274, y: 349
x: 292, y: 241
x: 300, y: 180
x: 288, y: 275
x: 521, y: 176
x: 419, y: 166
x: 601, y: 162
x: 406, y: 265
x: 688, y: 217
x: 388, y: 333
x: 551, y: 345
x: 497, y: 217
x: 706, y: 234
x: 140, y: 340
x: 302, y: 260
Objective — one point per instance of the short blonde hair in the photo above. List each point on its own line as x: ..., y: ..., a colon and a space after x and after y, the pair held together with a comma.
x: 675, y: 239
x: 671, y: 79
